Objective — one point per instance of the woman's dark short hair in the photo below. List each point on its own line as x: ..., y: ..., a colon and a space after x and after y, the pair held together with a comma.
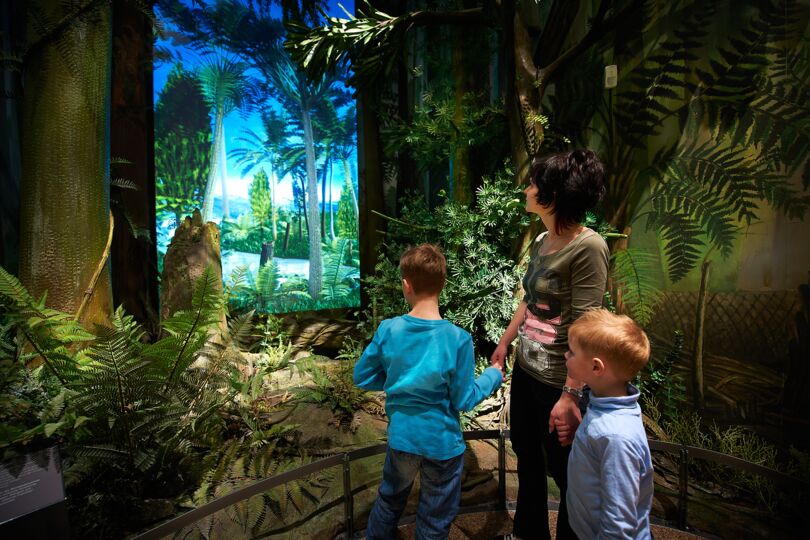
x: 570, y: 182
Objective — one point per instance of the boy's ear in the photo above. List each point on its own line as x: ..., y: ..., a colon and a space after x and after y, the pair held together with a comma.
x: 598, y: 366
x: 406, y: 285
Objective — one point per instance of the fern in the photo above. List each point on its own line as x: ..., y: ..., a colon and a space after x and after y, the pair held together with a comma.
x: 188, y: 329
x: 339, y: 280
x: 634, y: 276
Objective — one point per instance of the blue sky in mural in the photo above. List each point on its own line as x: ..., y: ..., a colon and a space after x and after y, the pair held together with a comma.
x: 219, y: 79
x: 236, y: 122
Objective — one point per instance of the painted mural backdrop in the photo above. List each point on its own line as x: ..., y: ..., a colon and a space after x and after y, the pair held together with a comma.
x: 243, y: 136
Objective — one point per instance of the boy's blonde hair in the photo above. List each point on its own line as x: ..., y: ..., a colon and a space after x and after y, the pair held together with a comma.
x: 425, y: 267
x: 617, y: 338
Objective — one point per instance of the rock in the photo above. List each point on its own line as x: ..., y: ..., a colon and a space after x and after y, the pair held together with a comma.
x: 194, y: 247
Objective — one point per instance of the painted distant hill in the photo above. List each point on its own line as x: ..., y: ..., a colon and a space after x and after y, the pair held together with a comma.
x: 236, y: 206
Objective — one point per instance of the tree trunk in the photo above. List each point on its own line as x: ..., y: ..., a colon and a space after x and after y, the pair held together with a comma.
x: 286, y: 239
x: 273, y: 212
x: 462, y: 191
x: 134, y: 257
x: 65, y: 160
x: 313, y: 224
x: 223, y: 173
x: 323, y: 199
x: 267, y: 253
x: 369, y: 178
x: 213, y: 171
x: 331, y: 213
x: 700, y: 319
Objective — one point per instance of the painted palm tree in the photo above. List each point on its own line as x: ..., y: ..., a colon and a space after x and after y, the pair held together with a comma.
x: 264, y: 151
x: 342, y: 131
x: 303, y: 96
x: 292, y: 163
x: 225, y: 87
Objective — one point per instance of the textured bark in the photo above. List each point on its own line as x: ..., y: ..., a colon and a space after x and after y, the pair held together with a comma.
x: 65, y: 159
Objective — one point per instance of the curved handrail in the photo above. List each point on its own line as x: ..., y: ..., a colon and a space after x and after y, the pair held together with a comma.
x: 344, y: 459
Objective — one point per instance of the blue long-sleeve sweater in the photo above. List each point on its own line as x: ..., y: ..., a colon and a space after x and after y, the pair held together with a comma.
x: 610, y: 473
x: 426, y: 369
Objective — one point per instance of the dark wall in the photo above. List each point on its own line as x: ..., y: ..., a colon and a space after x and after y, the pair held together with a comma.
x: 134, y: 252
x: 12, y: 27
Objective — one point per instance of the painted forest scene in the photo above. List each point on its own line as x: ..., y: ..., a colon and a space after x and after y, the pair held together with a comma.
x: 279, y: 268
x: 242, y: 136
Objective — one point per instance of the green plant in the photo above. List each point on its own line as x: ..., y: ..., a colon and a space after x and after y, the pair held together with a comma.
x: 333, y: 386
x: 658, y: 382
x: 124, y: 412
x: 477, y: 242
x: 744, y: 444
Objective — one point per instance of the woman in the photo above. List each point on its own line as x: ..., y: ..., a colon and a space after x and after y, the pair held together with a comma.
x: 567, y: 275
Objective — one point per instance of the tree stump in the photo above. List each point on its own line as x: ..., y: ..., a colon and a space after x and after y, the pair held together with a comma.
x: 194, y: 247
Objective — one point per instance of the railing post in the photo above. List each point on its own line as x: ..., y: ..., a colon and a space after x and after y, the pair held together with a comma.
x: 348, y: 498
x: 501, y: 470
x: 683, y: 485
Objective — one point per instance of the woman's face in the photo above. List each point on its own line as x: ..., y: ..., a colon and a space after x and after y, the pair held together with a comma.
x: 532, y: 206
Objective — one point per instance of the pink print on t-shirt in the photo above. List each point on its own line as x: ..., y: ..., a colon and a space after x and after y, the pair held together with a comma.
x: 538, y: 330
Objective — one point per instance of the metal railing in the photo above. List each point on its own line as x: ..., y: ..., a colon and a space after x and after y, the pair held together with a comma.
x: 345, y: 459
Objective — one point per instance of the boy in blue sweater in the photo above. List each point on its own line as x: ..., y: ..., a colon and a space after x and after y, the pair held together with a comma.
x: 425, y: 365
x: 610, y: 474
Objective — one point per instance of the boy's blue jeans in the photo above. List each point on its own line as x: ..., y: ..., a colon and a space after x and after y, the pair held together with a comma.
x: 439, y: 495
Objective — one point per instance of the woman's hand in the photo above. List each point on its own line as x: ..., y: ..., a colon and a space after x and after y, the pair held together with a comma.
x: 565, y: 418
x: 498, y: 358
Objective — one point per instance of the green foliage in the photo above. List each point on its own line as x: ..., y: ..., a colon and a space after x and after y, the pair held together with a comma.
x: 634, y: 275
x: 686, y: 427
x: 245, y: 236
x: 740, y: 442
x: 435, y: 131
x: 333, y: 387
x: 479, y: 294
x: 340, y: 280
x: 347, y: 225
x: 260, y: 204
x: 365, y: 43
x: 732, y: 91
x: 182, y: 145
x: 122, y: 411
x: 658, y: 382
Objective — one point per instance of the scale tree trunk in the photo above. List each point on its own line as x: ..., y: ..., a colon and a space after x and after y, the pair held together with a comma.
x: 65, y: 160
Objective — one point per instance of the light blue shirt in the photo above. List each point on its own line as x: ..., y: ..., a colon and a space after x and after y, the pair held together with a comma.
x: 426, y: 369
x: 610, y: 473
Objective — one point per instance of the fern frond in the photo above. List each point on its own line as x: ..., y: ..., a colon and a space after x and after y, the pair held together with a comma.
x: 634, y: 273
x: 241, y: 330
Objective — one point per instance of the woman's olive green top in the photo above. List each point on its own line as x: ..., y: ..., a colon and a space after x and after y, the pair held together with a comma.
x: 559, y: 288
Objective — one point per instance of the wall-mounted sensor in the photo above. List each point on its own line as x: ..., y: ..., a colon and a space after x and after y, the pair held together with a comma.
x: 611, y: 76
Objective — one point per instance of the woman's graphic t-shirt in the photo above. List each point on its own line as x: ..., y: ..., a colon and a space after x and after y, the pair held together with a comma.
x: 559, y: 287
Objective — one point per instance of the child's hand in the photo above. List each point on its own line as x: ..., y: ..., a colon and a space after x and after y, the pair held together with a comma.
x: 565, y: 418
x: 498, y: 358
